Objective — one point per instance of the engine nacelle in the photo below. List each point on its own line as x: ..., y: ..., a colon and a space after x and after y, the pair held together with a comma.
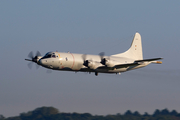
x: 107, y: 62
x: 38, y: 58
x: 90, y: 64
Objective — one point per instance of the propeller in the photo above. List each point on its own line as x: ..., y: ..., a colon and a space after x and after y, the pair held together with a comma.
x: 102, y: 55
x: 33, y: 59
x: 103, y: 60
x: 84, y: 57
x: 49, y: 71
x: 86, y: 62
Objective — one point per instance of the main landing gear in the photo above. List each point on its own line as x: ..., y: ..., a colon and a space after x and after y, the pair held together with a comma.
x: 96, y: 73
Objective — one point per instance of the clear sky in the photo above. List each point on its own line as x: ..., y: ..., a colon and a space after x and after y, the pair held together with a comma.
x: 89, y: 27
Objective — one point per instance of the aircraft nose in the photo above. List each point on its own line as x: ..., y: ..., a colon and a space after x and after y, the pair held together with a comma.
x: 41, y: 62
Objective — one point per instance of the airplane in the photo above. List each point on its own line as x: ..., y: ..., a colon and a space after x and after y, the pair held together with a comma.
x: 117, y: 63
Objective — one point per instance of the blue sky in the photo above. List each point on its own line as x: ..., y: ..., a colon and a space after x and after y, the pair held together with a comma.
x: 88, y: 27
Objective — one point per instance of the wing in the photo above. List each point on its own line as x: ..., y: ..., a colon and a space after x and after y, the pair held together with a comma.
x: 136, y: 62
x: 118, y: 66
x: 148, y: 60
x: 125, y: 65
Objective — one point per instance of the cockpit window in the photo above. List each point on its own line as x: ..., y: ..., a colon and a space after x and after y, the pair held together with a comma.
x: 49, y: 55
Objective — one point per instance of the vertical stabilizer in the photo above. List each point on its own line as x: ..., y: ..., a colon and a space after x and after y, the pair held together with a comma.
x: 135, y: 51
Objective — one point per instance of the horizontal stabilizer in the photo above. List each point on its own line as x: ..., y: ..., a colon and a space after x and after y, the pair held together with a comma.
x: 148, y: 60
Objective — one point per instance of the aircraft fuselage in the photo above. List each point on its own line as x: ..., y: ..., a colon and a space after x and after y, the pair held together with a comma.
x: 122, y: 62
x: 74, y: 62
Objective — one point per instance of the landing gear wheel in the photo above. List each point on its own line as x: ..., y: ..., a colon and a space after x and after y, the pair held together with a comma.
x: 96, y: 73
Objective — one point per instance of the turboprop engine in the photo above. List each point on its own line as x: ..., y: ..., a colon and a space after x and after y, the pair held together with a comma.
x: 90, y: 64
x: 34, y: 59
x: 107, y: 62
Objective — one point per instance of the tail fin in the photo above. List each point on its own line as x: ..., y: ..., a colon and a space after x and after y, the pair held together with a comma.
x: 135, y: 51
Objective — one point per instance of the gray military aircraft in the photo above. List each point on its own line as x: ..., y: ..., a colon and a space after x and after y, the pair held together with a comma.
x: 129, y: 60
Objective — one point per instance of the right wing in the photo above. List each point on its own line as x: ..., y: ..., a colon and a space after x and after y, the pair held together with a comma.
x: 148, y: 60
x: 136, y: 62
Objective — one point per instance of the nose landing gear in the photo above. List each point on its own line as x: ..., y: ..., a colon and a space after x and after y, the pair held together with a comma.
x: 96, y: 73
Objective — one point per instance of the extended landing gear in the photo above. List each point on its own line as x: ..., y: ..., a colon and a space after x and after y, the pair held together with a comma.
x: 118, y: 73
x: 96, y: 73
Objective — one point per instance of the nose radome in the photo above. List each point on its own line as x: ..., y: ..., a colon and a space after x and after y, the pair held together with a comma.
x: 41, y: 62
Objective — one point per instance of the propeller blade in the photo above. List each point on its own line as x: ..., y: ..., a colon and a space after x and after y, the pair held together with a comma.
x: 103, y: 60
x: 84, y: 57
x: 37, y: 66
x: 102, y: 55
x: 30, y: 65
x: 33, y: 59
x: 49, y: 71
x: 86, y: 62
x: 38, y: 53
x: 30, y: 55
